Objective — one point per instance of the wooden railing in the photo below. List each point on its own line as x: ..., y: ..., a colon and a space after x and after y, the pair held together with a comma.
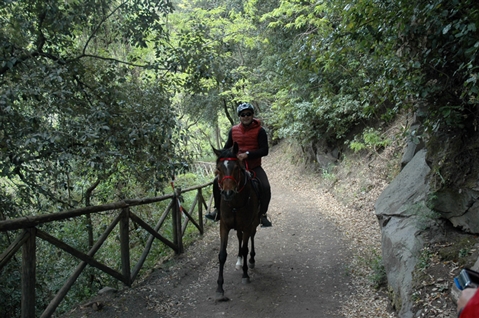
x: 26, y: 240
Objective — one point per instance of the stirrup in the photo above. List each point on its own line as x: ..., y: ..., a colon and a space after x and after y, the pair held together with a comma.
x: 263, y: 220
x: 213, y: 216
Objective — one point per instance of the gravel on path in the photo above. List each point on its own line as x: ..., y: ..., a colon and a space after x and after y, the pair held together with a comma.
x: 307, y: 264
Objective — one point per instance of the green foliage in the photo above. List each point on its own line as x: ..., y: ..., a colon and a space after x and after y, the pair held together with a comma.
x: 214, y: 37
x: 10, y: 293
x: 427, y: 58
x: 86, y: 118
x: 464, y: 252
x: 424, y: 259
x: 318, y: 70
x: 102, y: 101
x: 332, y: 68
x: 323, y: 118
x: 378, y: 276
x: 82, y: 103
x: 328, y: 175
x: 425, y: 216
x: 447, y: 59
x: 377, y: 272
x: 370, y: 140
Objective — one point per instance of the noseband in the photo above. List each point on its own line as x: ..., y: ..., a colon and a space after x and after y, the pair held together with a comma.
x: 220, y: 182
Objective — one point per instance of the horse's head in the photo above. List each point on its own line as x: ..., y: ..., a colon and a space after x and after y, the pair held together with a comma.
x: 230, y: 171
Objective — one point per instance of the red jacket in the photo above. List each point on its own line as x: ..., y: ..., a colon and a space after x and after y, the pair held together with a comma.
x: 247, y: 139
x: 471, y: 310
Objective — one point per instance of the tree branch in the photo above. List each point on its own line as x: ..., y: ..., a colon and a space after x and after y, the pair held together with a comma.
x: 40, y: 190
x: 89, y: 191
x: 100, y: 24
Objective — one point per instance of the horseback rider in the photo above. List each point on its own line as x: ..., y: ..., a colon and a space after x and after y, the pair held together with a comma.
x: 253, y: 144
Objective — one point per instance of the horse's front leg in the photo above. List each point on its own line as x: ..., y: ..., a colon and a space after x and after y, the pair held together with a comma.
x: 220, y: 293
x: 239, y: 261
x: 244, y: 254
x: 253, y: 253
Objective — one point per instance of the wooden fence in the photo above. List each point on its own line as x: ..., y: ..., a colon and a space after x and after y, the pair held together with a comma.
x: 26, y: 240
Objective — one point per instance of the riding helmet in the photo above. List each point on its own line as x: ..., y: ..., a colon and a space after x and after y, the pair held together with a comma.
x: 244, y: 106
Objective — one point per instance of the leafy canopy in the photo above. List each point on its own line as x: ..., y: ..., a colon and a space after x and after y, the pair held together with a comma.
x: 84, y: 95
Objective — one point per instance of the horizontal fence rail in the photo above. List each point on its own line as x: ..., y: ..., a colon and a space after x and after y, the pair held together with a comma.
x: 26, y: 241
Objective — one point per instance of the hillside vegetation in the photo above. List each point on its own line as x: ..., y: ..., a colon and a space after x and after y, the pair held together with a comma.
x: 105, y: 100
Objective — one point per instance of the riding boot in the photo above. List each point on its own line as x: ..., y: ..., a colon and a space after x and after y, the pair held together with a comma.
x: 214, y: 215
x: 264, y: 221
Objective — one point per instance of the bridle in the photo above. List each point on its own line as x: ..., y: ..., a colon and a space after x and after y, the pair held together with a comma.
x: 231, y: 177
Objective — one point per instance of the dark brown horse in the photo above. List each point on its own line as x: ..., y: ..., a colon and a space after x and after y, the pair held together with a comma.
x: 239, y: 210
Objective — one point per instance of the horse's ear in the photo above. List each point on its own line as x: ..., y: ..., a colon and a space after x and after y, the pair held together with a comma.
x: 235, y: 148
x: 216, y: 151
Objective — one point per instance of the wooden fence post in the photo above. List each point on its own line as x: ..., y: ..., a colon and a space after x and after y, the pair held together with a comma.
x: 125, y: 244
x: 200, y: 210
x: 176, y: 219
x: 28, y: 274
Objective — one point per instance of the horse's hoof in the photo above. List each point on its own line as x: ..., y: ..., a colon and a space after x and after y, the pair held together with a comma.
x: 245, y: 280
x: 221, y: 297
x: 239, y: 263
x: 251, y: 265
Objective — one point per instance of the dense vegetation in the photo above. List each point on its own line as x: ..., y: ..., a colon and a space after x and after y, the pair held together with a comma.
x: 102, y: 100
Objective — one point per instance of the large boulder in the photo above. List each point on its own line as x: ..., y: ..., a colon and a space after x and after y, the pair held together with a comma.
x: 413, y: 145
x: 403, y: 215
x: 460, y: 206
x: 455, y: 181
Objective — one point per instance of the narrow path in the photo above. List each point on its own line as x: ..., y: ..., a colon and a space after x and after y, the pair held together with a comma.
x: 301, y: 271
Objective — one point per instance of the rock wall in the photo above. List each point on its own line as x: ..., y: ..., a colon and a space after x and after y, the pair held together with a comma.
x: 403, y: 215
x: 410, y: 212
x: 417, y: 207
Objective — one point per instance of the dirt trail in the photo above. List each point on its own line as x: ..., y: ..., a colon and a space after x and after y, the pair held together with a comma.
x: 301, y: 269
